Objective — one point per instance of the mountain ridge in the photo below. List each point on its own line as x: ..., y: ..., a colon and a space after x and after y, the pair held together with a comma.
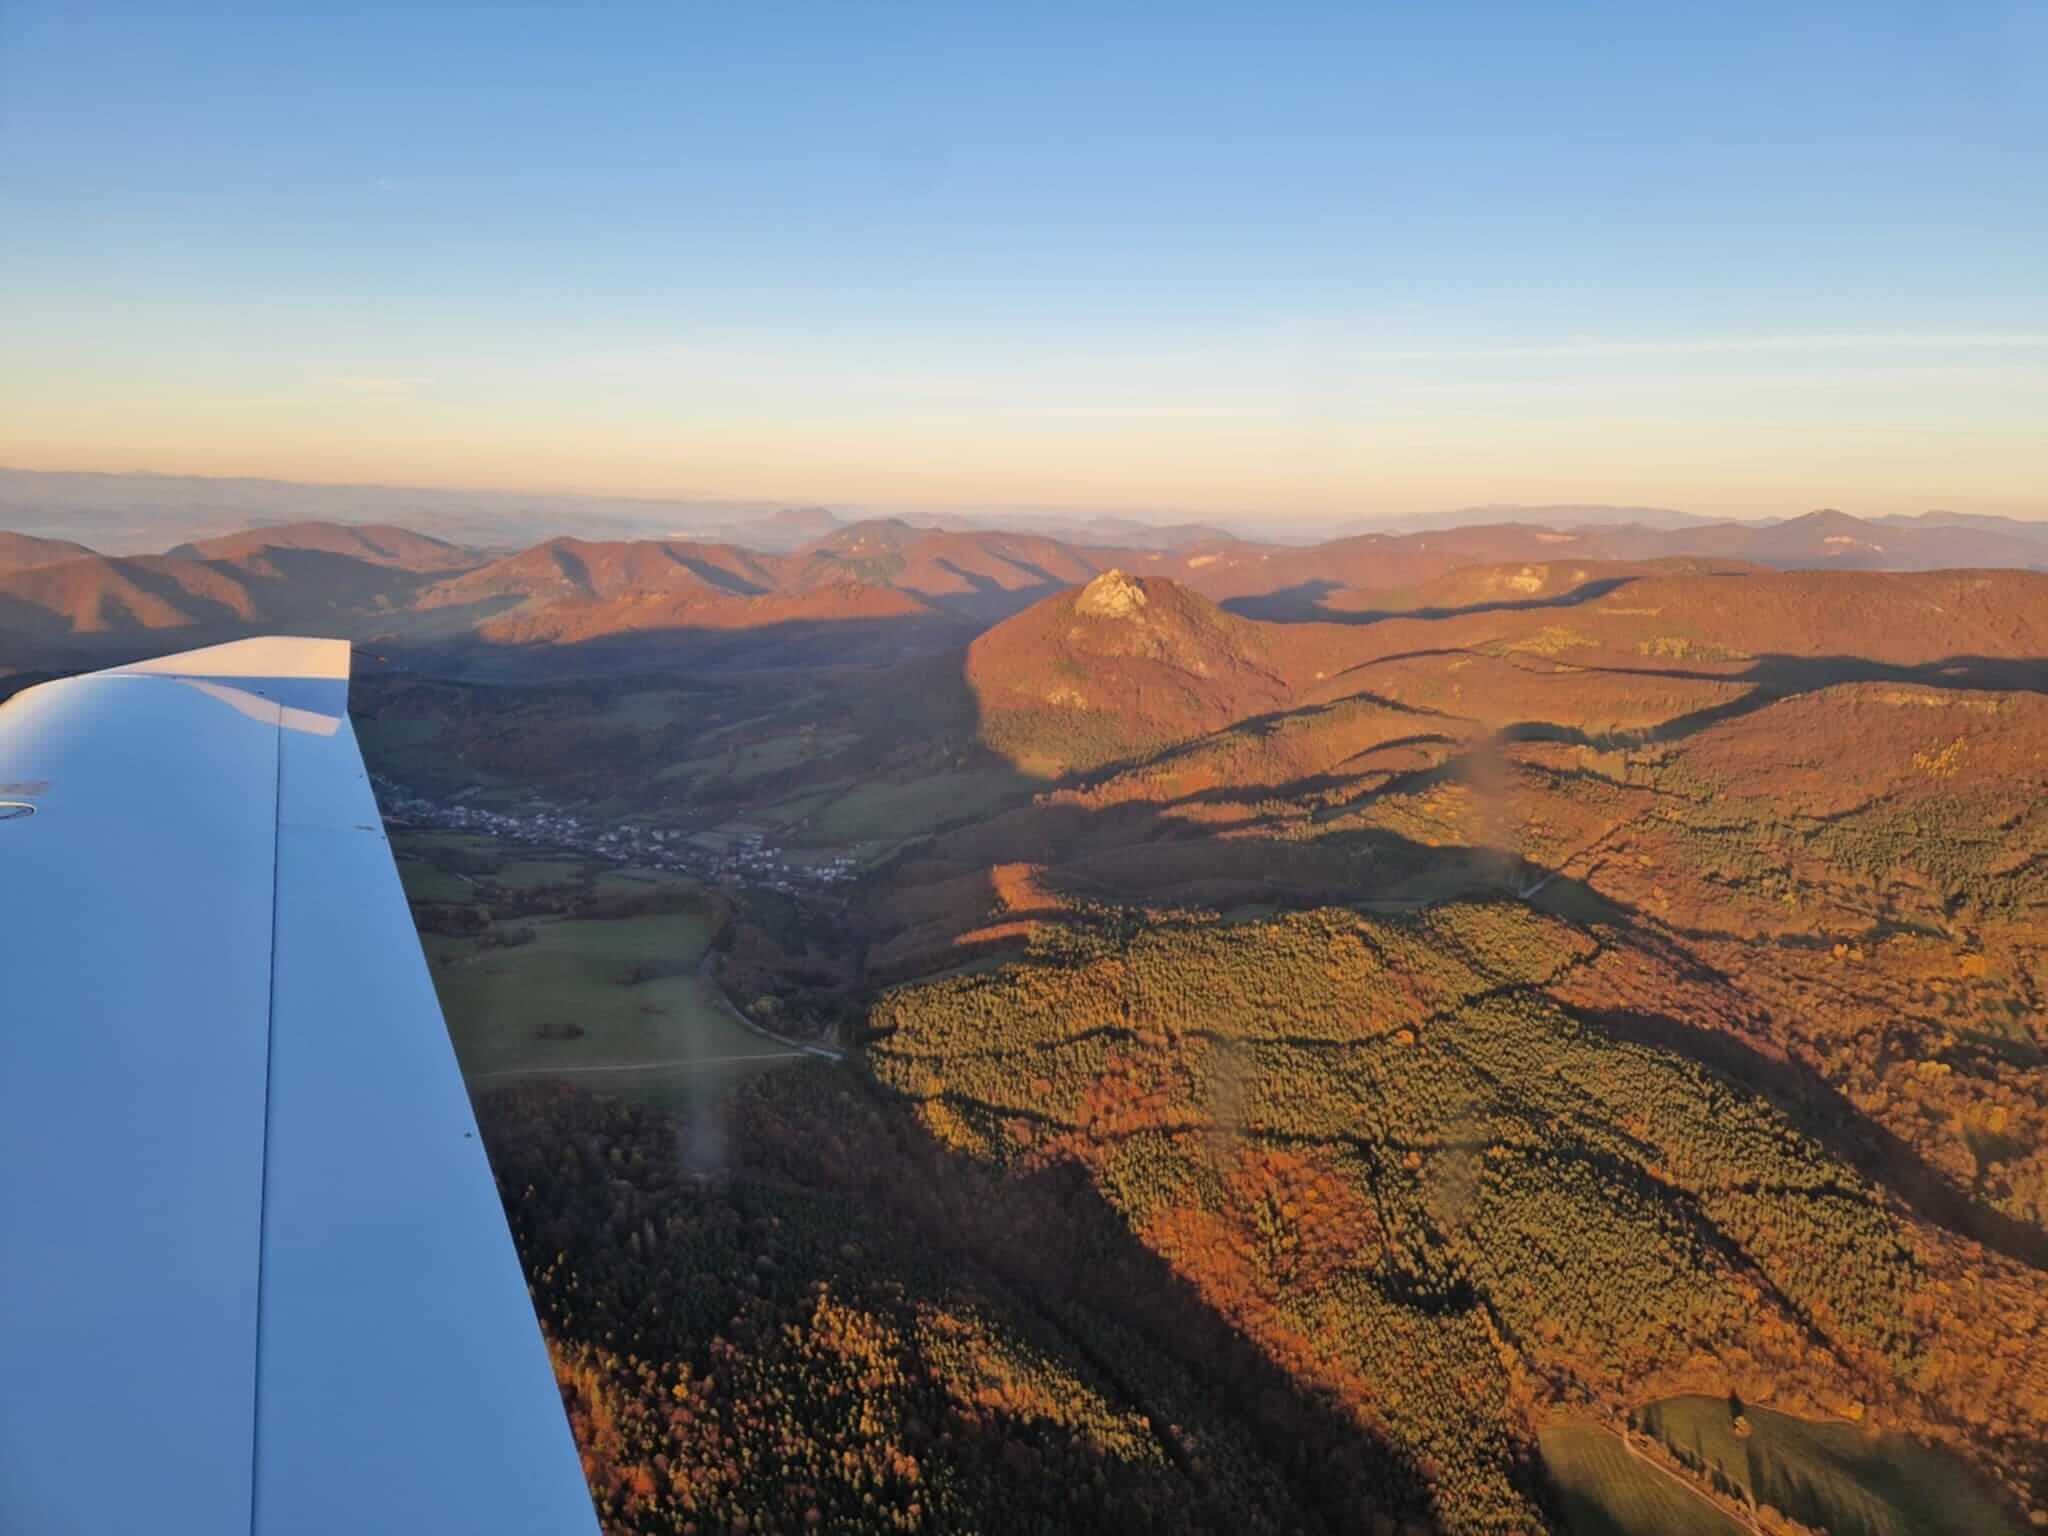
x: 374, y: 580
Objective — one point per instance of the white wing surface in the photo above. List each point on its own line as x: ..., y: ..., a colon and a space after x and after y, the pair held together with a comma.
x: 254, y: 1275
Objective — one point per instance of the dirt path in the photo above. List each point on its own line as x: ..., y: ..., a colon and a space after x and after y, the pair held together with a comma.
x: 1741, y: 1513
x: 632, y: 1066
x: 829, y: 1053
x: 791, y: 1049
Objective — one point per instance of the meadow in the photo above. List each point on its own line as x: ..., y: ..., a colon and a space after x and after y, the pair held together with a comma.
x: 1606, y: 1491
x: 606, y: 990
x: 1837, y: 1477
x: 559, y: 1006
x: 885, y: 811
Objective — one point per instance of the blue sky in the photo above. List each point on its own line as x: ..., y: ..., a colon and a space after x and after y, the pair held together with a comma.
x: 1323, y: 260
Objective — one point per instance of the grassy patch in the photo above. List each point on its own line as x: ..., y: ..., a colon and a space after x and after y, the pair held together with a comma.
x: 1837, y: 1476
x: 425, y: 843
x: 1607, y: 1492
x: 1550, y: 640
x: 1680, y: 648
x: 613, y: 881
x: 888, y: 810
x: 649, y: 710
x: 787, y: 813
x: 744, y: 762
x: 424, y: 882
x: 531, y: 874
x: 563, y: 1003
x: 759, y: 758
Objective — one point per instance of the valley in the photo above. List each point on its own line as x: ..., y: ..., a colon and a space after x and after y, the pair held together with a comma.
x: 1475, y: 1024
x: 976, y: 1031
x: 862, y: 593
x: 1249, y: 770
x: 738, y: 854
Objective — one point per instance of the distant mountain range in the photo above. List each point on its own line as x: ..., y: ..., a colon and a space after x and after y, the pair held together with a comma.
x: 142, y: 513
x: 133, y: 514
x: 861, y: 591
x: 1550, y: 516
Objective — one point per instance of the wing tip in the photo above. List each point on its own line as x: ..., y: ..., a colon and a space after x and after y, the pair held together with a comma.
x: 297, y: 658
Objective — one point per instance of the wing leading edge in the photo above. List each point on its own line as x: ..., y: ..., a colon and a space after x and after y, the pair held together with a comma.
x: 253, y: 1270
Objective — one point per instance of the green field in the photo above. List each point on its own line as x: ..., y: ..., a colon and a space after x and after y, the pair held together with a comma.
x: 886, y: 810
x: 787, y: 813
x: 614, y: 881
x: 773, y: 755
x: 472, y: 851
x: 560, y: 1004
x: 743, y: 762
x: 425, y: 882
x: 1832, y: 1475
x: 424, y: 842
x: 434, y: 864
x: 530, y: 874
x: 650, y: 709
x: 1607, y: 1492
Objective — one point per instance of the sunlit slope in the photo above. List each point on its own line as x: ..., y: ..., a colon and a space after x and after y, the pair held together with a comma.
x: 1405, y: 1157
x: 1120, y: 666
x: 19, y: 551
x: 1666, y: 1005
x: 380, y: 544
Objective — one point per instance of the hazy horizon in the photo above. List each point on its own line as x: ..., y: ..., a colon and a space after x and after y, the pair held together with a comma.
x: 1252, y: 521
x: 1314, y: 266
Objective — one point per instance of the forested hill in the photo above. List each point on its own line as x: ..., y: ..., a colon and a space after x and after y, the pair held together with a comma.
x: 886, y: 588
x: 1359, y: 1070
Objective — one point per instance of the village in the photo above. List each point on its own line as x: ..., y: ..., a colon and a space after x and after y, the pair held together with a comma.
x: 743, y: 858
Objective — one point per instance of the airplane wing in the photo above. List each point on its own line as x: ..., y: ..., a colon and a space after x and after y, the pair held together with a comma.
x: 254, y: 1275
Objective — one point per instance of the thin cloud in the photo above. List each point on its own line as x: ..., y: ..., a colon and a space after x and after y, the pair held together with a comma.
x: 375, y: 384
x: 1701, y: 346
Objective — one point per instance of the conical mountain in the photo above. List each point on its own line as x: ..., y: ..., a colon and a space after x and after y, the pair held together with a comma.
x: 1115, y: 669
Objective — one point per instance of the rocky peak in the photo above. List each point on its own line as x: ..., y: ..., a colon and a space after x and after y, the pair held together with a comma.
x: 1112, y: 595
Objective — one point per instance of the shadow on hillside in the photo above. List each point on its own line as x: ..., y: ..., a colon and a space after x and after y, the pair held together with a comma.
x: 1772, y: 678
x: 1136, y: 854
x: 713, y: 575
x: 1149, y: 854
x: 1129, y: 858
x: 112, y: 630
x: 869, y: 1206
x: 204, y: 611
x: 1048, y: 1235
x: 1303, y: 604
x: 195, y: 603
x: 1823, y: 1113
x: 1777, y: 677
x: 773, y: 646
x: 1466, y: 754
x: 990, y: 602
x: 29, y: 633
x: 301, y: 585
